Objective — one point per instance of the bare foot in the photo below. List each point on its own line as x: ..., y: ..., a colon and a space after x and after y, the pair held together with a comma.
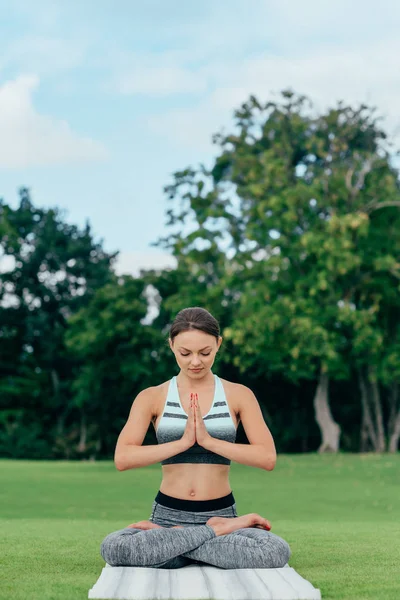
x: 224, y: 525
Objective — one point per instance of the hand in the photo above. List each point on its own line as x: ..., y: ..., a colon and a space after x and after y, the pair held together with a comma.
x: 189, y: 435
x: 203, y: 438
x: 224, y: 525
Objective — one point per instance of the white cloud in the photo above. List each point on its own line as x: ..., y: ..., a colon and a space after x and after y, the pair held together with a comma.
x: 44, y: 55
x: 131, y: 262
x: 319, y: 21
x: 29, y: 139
x: 364, y: 74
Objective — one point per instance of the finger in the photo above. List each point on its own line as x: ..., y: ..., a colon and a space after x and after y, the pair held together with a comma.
x: 267, y: 525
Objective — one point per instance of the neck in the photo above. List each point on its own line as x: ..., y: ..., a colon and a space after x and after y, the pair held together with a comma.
x: 194, y: 384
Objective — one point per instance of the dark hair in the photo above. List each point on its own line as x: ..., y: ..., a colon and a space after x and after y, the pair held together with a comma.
x: 194, y: 318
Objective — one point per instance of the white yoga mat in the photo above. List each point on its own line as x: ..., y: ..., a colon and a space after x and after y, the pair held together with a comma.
x: 196, y: 582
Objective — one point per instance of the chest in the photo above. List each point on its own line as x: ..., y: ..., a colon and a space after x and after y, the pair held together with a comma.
x: 208, y: 401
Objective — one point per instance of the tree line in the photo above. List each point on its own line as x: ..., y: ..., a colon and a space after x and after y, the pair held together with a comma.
x: 291, y: 239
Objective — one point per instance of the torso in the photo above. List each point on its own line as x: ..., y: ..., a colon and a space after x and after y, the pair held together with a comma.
x: 196, y: 481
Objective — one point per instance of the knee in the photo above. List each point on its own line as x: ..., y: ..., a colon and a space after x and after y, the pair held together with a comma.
x: 107, y: 549
x: 112, y: 549
x: 276, y: 552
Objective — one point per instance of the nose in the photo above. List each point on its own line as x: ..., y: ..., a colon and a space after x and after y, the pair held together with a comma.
x: 196, y: 361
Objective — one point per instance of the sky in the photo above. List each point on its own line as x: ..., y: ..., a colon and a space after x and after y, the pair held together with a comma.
x: 101, y: 101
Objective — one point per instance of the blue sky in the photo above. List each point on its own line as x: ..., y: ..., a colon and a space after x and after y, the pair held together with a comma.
x: 101, y: 101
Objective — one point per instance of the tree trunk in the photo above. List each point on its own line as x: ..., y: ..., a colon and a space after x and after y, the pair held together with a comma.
x: 368, y: 435
x: 364, y: 433
x: 376, y: 399
x: 372, y: 429
x: 56, y: 390
x: 83, y: 433
x: 394, y: 419
x: 56, y: 383
x: 330, y: 430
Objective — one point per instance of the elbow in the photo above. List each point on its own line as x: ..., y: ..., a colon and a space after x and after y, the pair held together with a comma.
x: 270, y: 462
x: 123, y: 459
x: 119, y: 465
x: 119, y: 462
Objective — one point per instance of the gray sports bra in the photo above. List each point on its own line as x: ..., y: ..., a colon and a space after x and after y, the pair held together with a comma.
x: 218, y: 422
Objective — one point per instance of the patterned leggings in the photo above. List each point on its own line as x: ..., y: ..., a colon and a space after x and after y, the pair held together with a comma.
x: 196, y: 542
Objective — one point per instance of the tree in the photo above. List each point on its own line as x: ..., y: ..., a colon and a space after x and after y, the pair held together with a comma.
x: 289, y: 208
x: 56, y: 269
x: 116, y: 356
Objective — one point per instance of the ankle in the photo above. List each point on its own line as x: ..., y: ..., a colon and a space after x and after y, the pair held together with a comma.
x: 218, y: 529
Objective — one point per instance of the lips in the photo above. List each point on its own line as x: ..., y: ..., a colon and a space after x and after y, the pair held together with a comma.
x: 196, y: 370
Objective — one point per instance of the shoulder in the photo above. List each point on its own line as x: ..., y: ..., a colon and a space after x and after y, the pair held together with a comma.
x: 238, y: 393
x: 238, y: 389
x: 153, y: 395
x: 154, y: 391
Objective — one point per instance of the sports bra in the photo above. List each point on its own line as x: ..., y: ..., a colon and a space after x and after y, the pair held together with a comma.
x: 218, y: 422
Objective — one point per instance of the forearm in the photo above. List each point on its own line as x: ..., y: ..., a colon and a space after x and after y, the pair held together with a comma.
x: 134, y: 457
x: 253, y: 455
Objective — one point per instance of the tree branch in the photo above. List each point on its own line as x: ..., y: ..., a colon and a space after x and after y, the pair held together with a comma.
x: 354, y: 189
x: 372, y: 206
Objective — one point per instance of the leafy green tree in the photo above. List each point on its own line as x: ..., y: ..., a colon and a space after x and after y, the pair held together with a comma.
x: 289, y: 209
x: 116, y: 356
x: 55, y: 270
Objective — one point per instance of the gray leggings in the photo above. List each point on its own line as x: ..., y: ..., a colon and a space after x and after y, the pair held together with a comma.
x: 196, y: 543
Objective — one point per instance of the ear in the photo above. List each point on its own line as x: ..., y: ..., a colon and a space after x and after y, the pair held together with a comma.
x: 219, y: 343
x: 170, y: 344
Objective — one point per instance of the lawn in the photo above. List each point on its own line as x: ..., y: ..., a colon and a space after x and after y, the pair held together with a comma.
x: 340, y: 515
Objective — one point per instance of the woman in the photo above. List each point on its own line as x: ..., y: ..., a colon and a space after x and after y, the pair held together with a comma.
x: 195, y: 416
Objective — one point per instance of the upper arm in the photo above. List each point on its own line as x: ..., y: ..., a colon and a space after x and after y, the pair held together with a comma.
x: 139, y: 419
x: 256, y: 429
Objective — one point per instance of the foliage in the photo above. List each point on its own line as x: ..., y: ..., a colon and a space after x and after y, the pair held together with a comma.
x: 55, y: 270
x: 307, y: 208
x: 291, y: 238
x: 116, y: 356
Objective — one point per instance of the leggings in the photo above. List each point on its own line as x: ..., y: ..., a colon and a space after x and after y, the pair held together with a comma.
x: 196, y: 542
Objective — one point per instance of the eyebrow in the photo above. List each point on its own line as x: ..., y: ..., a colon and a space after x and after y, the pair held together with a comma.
x: 182, y: 348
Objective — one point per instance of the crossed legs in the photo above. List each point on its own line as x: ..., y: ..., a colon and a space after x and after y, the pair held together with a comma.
x: 170, y: 548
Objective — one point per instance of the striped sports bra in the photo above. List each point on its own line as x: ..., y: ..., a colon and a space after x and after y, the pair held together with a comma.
x: 218, y: 422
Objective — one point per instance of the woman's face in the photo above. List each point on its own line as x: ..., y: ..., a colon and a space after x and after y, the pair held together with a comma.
x: 195, y: 352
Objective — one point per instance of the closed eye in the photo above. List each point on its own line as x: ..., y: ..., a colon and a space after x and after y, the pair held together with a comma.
x: 203, y: 353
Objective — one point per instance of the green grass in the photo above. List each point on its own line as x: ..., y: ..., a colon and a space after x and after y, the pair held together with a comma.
x: 340, y: 515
